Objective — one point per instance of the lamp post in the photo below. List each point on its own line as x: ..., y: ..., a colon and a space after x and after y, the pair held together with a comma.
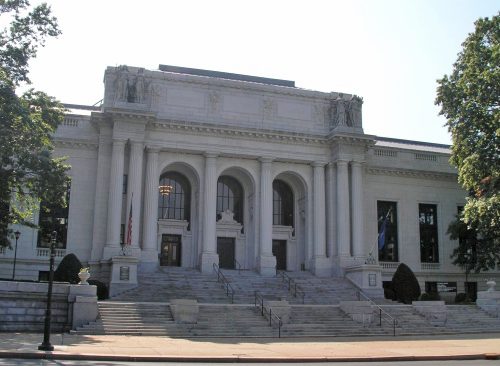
x: 17, y: 234
x: 46, y: 346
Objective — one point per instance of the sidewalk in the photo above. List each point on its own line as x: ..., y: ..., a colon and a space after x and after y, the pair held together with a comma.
x: 129, y: 348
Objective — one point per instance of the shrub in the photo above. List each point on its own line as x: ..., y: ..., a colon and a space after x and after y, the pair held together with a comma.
x: 431, y: 296
x: 389, y: 291
x: 405, y: 284
x: 461, y: 298
x: 67, y: 270
x: 102, y: 289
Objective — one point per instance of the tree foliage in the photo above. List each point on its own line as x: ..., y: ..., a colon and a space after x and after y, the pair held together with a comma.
x: 470, y: 100
x: 28, y: 172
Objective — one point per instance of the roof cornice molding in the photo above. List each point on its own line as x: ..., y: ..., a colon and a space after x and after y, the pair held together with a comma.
x: 235, y: 132
x: 409, y: 173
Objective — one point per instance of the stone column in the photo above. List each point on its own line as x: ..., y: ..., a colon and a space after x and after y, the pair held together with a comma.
x: 320, y: 264
x: 357, y: 210
x: 149, y: 255
x: 209, y: 254
x: 331, y: 248
x: 134, y: 193
x: 267, y: 262
x: 112, y: 246
x: 343, y: 215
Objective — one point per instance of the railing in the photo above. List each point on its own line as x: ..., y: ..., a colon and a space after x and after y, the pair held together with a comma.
x: 237, y: 265
x: 45, y: 252
x: 273, y: 318
x: 221, y: 278
x: 382, y: 314
x: 293, y: 287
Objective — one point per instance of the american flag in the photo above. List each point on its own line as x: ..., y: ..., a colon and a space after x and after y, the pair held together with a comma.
x: 129, y: 226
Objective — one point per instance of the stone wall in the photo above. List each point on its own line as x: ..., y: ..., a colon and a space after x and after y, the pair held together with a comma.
x: 23, y: 304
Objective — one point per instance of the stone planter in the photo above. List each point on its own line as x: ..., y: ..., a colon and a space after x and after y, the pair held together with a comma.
x: 83, y: 276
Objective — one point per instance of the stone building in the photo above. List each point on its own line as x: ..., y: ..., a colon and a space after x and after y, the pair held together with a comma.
x: 194, y: 167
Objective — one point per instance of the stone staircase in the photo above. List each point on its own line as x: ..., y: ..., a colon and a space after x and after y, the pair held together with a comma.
x: 155, y: 319
x: 145, y: 310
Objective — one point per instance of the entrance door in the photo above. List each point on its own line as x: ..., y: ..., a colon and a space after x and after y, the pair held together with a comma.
x: 279, y: 251
x: 225, y: 250
x: 170, y: 250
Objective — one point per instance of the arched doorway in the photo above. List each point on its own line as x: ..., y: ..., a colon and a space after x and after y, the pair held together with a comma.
x: 230, y: 215
x: 174, y: 212
x: 283, y: 216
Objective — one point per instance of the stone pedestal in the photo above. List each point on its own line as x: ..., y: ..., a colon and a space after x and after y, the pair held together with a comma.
x: 267, y: 265
x: 489, y: 301
x: 207, y: 262
x: 280, y: 308
x: 359, y: 311
x: 368, y: 277
x: 434, y: 311
x: 123, y: 274
x: 185, y: 311
x: 83, y: 304
x: 321, y: 267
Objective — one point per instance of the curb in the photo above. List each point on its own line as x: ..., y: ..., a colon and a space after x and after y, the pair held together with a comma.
x: 239, y: 359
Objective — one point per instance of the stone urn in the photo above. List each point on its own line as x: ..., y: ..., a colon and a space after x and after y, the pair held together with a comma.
x: 83, y: 275
x: 491, y: 285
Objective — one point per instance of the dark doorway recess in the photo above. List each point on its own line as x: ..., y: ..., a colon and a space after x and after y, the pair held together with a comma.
x: 279, y: 251
x: 225, y: 250
x: 170, y: 250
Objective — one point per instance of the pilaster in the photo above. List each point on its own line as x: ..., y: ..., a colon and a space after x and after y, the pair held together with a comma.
x: 343, y: 214
x: 209, y: 254
x: 357, y: 210
x: 320, y: 264
x: 150, y: 223
x: 267, y: 262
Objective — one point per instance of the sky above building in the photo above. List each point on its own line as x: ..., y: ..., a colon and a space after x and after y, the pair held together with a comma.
x: 389, y: 52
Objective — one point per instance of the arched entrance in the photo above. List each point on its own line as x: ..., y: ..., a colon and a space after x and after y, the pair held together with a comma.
x: 283, y: 216
x: 229, y: 219
x: 174, y: 215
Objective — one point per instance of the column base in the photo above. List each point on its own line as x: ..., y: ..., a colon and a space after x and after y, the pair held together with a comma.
x: 149, y: 256
x: 267, y: 265
x: 321, y: 267
x: 115, y: 250
x: 207, y: 261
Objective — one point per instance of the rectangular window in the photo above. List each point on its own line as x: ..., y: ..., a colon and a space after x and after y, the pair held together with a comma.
x: 387, y: 212
x: 431, y: 287
x: 429, y: 250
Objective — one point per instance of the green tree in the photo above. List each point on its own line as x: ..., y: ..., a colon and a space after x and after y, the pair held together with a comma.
x: 28, y: 172
x: 469, y: 99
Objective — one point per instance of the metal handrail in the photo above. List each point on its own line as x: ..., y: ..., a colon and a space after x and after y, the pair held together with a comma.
x: 221, y: 278
x: 391, y: 320
x: 293, y: 287
x: 259, y: 303
x: 238, y: 265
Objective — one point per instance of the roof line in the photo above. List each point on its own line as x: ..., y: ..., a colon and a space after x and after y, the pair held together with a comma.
x: 81, y: 106
x: 430, y: 144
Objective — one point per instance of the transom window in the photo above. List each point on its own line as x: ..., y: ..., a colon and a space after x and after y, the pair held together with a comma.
x: 282, y: 204
x: 174, y: 197
x: 229, y: 196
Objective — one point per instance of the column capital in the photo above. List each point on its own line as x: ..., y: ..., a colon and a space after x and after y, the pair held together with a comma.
x: 152, y: 149
x: 118, y: 142
x: 210, y: 154
x: 340, y: 162
x: 136, y: 142
x: 356, y: 163
x: 318, y: 164
x: 266, y: 159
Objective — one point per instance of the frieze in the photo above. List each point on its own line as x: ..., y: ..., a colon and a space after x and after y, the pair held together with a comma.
x: 79, y: 144
x: 407, y: 173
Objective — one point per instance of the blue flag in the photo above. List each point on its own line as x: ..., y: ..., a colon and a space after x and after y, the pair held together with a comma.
x: 381, y: 234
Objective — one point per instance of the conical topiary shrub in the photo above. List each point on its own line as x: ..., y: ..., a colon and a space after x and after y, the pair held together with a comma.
x: 67, y: 270
x: 405, y: 285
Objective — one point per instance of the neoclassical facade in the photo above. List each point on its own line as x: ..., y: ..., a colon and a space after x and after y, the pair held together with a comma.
x: 194, y: 167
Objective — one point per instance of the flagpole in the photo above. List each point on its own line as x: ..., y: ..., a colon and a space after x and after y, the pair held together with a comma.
x: 371, y: 259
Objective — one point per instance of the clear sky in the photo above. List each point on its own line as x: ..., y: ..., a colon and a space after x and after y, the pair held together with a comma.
x: 390, y: 52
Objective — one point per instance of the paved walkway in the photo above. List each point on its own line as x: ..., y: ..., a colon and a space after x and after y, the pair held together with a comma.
x: 126, y: 348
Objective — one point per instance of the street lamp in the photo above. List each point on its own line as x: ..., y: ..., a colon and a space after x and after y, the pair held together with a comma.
x: 46, y: 346
x: 17, y: 234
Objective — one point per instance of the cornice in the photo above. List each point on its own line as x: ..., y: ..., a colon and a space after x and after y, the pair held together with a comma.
x: 354, y: 138
x: 235, y: 132
x: 73, y: 143
x: 408, y: 173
